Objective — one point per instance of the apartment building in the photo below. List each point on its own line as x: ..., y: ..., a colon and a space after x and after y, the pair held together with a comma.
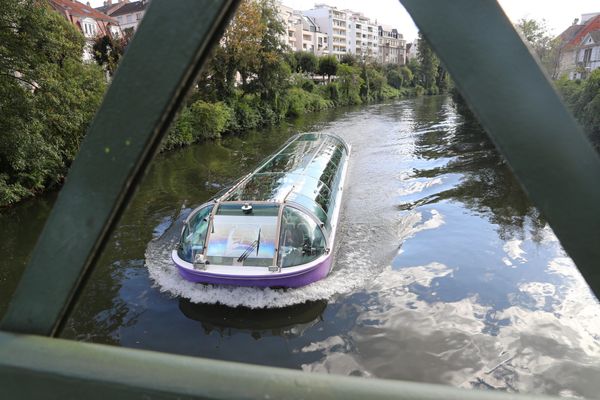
x: 309, y: 36
x: 290, y: 21
x: 328, y: 30
x: 363, y: 37
x: 392, y: 46
x: 333, y: 23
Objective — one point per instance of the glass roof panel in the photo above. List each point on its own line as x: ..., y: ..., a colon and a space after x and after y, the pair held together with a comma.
x: 305, y: 169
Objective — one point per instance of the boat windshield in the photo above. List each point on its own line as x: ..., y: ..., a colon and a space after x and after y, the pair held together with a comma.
x: 243, y: 238
x: 194, y: 234
x: 301, y: 239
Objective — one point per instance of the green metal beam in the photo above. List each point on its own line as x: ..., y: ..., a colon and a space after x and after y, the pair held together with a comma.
x: 159, y: 68
x: 516, y: 104
x: 38, y: 367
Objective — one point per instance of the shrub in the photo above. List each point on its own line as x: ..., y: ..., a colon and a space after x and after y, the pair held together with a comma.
x: 301, y: 81
x: 301, y: 101
x: 198, y: 122
x: 209, y: 120
x: 246, y: 114
x: 181, y: 132
x: 389, y: 92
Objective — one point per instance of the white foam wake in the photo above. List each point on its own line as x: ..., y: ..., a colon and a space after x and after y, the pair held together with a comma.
x: 352, y: 265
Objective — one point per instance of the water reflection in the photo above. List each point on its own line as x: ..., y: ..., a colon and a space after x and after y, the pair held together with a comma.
x: 481, y: 294
x: 21, y: 226
x: 485, y: 182
x: 444, y: 272
x: 291, y: 320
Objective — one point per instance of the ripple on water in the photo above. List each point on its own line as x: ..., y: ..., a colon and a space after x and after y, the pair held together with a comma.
x: 356, y: 261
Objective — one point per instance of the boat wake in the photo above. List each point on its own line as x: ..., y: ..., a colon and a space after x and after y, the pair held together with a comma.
x: 356, y: 261
x: 345, y: 276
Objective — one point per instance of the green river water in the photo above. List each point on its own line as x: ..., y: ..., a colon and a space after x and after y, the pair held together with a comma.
x: 444, y: 272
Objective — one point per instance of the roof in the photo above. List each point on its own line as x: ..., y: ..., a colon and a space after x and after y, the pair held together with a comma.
x: 595, y: 36
x: 108, y: 9
x: 75, y: 8
x: 130, y: 8
x: 570, y: 33
x: 591, y: 25
x: 305, y: 171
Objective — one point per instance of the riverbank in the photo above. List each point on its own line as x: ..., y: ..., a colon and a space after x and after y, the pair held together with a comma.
x: 252, y: 80
x: 202, y: 120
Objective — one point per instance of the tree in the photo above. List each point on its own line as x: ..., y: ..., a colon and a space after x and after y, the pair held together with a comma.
x: 238, y: 51
x: 546, y: 48
x: 328, y: 65
x: 394, y: 77
x: 428, y: 65
x: 373, y: 83
x: 350, y: 82
x: 271, y: 72
x: 47, y: 97
x: 407, y: 76
x: 108, y: 51
x: 587, y: 108
x: 349, y: 59
x: 398, y: 76
x: 307, y: 62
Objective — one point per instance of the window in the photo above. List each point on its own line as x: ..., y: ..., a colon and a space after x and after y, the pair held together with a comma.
x: 89, y: 29
x: 138, y: 16
x: 301, y: 239
x: 194, y: 235
x: 243, y: 239
x: 587, y: 55
x: 129, y: 18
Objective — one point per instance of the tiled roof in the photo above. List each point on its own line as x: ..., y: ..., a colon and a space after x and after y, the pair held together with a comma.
x: 592, y: 25
x: 70, y: 7
x: 131, y: 8
x: 570, y: 33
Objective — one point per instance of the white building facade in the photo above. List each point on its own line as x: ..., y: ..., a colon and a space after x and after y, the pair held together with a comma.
x: 334, y: 24
x: 130, y: 14
x: 363, y: 40
x: 328, y: 30
x: 309, y: 36
x: 290, y: 20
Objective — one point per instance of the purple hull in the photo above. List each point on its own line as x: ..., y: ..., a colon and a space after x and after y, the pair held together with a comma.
x: 275, y: 279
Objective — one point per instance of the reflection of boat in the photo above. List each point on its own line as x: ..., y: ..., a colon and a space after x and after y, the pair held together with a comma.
x: 219, y: 316
x: 276, y: 226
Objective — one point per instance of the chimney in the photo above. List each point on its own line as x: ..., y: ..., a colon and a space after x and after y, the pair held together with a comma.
x: 575, y: 21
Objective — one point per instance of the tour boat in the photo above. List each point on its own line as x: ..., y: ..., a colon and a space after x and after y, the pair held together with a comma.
x: 276, y: 226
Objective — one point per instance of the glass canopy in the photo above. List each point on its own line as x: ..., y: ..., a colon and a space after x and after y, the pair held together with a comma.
x: 307, y: 171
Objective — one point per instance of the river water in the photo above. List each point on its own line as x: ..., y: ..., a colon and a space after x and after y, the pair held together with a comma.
x: 444, y: 272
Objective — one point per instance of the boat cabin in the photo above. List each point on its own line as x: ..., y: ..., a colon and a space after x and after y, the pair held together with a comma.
x: 281, y: 215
